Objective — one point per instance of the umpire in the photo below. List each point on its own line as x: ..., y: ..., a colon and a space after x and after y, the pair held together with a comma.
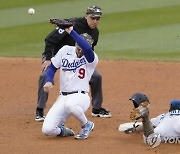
x: 57, y: 39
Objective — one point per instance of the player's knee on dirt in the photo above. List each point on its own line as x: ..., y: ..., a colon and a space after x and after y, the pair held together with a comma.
x: 49, y: 130
x: 153, y: 140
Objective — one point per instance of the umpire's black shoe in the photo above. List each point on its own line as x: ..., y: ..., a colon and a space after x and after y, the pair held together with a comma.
x: 102, y: 113
x: 39, y: 115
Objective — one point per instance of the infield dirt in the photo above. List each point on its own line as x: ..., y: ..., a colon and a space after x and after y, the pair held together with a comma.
x: 19, y: 133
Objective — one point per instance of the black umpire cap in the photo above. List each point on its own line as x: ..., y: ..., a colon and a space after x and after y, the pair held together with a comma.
x: 94, y: 11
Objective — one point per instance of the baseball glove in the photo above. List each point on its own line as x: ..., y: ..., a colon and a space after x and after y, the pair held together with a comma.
x: 135, y: 114
x: 141, y: 111
x: 61, y: 23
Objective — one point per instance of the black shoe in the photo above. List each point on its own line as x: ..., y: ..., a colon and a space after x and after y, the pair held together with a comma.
x: 102, y: 113
x: 39, y: 115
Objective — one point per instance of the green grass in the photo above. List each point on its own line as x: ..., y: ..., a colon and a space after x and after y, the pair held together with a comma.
x: 131, y: 30
x: 20, y: 3
x: 133, y: 20
x: 140, y: 55
x: 24, y: 41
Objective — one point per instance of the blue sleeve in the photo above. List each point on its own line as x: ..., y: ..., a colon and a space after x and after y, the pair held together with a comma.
x: 51, y: 70
x: 87, y: 49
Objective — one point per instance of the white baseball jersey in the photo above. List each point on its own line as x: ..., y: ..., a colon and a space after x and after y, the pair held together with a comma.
x: 75, y: 72
x: 167, y: 125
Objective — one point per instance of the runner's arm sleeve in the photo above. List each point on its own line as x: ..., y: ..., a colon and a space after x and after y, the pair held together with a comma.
x: 51, y: 70
x: 87, y: 49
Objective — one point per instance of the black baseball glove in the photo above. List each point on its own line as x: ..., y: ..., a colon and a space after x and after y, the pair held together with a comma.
x: 61, y: 23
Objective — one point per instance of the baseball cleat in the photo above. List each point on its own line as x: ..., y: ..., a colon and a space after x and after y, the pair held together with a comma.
x: 102, y: 113
x: 39, y: 115
x: 86, y: 129
x: 39, y: 118
x: 65, y: 131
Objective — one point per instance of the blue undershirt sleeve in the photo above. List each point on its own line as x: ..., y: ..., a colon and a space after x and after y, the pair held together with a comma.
x: 87, y: 49
x: 51, y: 70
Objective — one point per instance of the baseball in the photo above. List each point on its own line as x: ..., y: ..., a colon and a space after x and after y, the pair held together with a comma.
x: 31, y: 11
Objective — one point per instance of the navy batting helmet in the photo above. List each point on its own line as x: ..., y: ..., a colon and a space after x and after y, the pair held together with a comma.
x: 174, y: 105
x: 139, y: 98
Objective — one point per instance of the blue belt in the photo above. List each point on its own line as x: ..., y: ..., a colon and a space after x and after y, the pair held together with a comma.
x: 72, y: 92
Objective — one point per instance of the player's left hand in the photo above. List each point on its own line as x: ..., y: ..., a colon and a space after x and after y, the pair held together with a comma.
x: 135, y: 114
x: 48, y: 86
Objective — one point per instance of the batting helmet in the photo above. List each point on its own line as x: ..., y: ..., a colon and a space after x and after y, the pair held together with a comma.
x: 88, y: 38
x: 174, y: 105
x: 139, y: 98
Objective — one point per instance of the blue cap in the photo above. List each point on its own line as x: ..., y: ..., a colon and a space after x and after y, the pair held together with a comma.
x: 174, y: 105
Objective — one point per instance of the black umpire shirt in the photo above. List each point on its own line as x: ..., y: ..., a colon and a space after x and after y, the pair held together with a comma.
x: 58, y: 37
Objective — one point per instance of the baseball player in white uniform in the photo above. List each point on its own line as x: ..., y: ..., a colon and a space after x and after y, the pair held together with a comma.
x: 77, y: 64
x: 164, y: 128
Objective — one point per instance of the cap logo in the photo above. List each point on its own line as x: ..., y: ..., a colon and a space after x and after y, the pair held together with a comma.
x: 94, y: 11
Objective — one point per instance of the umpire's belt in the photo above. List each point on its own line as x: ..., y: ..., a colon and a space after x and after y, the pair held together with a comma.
x: 72, y: 92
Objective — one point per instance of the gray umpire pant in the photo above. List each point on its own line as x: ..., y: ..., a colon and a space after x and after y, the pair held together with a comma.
x: 95, y: 86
